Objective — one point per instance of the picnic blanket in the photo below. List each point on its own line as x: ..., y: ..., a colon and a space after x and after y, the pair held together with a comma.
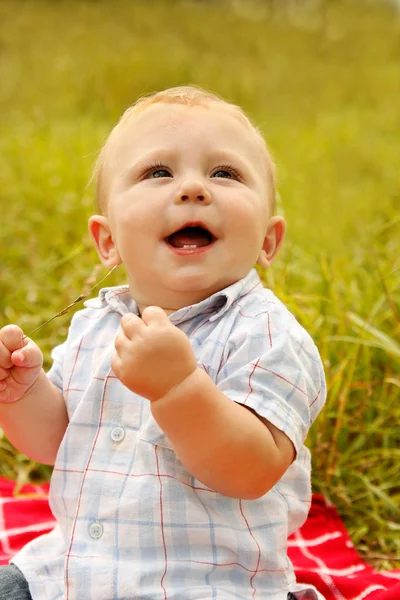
x: 321, y: 551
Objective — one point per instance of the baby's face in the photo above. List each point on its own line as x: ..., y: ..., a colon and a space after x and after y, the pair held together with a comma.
x: 188, y: 203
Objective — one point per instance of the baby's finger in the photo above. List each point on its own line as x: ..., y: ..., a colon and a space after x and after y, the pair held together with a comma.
x: 10, y: 340
x: 116, y: 365
x: 12, y: 337
x: 155, y: 315
x: 4, y: 373
x: 29, y: 356
x: 119, y: 342
x: 132, y: 325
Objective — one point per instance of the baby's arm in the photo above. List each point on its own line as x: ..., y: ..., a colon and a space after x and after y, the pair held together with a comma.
x: 32, y: 410
x: 220, y: 442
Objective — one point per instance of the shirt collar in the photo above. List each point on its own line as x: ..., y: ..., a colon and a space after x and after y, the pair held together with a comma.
x: 119, y: 299
x: 220, y: 302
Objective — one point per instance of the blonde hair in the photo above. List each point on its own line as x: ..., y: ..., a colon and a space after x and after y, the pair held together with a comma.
x: 187, y: 96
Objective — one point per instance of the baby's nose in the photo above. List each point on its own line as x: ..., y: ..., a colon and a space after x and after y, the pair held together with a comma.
x: 193, y: 190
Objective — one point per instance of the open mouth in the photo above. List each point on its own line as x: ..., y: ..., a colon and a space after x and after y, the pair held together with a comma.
x: 190, y: 237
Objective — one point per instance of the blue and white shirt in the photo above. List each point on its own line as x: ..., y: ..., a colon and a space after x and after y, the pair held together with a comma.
x: 132, y: 522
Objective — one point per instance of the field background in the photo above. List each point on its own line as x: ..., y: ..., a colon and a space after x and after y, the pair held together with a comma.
x: 322, y: 81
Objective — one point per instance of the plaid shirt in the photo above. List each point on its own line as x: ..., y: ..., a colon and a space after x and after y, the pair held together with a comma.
x: 132, y: 522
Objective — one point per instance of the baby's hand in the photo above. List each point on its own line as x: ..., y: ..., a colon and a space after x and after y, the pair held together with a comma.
x: 20, y: 363
x: 152, y: 355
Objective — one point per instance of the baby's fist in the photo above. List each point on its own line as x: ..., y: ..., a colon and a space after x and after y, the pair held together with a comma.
x: 152, y: 355
x: 20, y: 363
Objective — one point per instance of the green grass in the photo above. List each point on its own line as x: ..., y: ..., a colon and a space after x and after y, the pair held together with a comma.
x: 323, y: 84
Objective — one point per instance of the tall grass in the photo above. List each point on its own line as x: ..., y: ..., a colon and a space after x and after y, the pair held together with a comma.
x: 322, y: 81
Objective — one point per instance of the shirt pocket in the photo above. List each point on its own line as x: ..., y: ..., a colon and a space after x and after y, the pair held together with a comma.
x: 151, y: 433
x: 158, y: 456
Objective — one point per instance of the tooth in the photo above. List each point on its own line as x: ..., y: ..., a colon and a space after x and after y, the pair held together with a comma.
x: 190, y: 246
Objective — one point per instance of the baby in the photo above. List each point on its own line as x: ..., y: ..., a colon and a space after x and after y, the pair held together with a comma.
x: 175, y: 412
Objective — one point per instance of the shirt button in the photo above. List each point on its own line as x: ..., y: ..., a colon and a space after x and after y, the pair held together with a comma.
x: 117, y: 434
x: 96, y: 530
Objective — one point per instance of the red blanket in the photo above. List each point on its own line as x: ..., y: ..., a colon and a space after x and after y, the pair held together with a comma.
x: 321, y: 550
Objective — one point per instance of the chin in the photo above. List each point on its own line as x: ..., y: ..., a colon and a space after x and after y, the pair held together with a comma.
x: 191, y: 282
x: 199, y: 287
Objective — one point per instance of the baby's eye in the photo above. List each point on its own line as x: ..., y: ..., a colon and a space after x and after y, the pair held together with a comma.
x: 226, y: 173
x: 161, y: 173
x: 157, y: 172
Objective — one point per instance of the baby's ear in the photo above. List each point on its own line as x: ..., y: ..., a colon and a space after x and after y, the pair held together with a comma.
x: 272, y: 242
x: 100, y: 232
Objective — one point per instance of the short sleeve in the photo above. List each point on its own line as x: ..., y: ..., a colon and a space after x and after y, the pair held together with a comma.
x: 273, y: 367
x: 59, y: 353
x: 55, y: 373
